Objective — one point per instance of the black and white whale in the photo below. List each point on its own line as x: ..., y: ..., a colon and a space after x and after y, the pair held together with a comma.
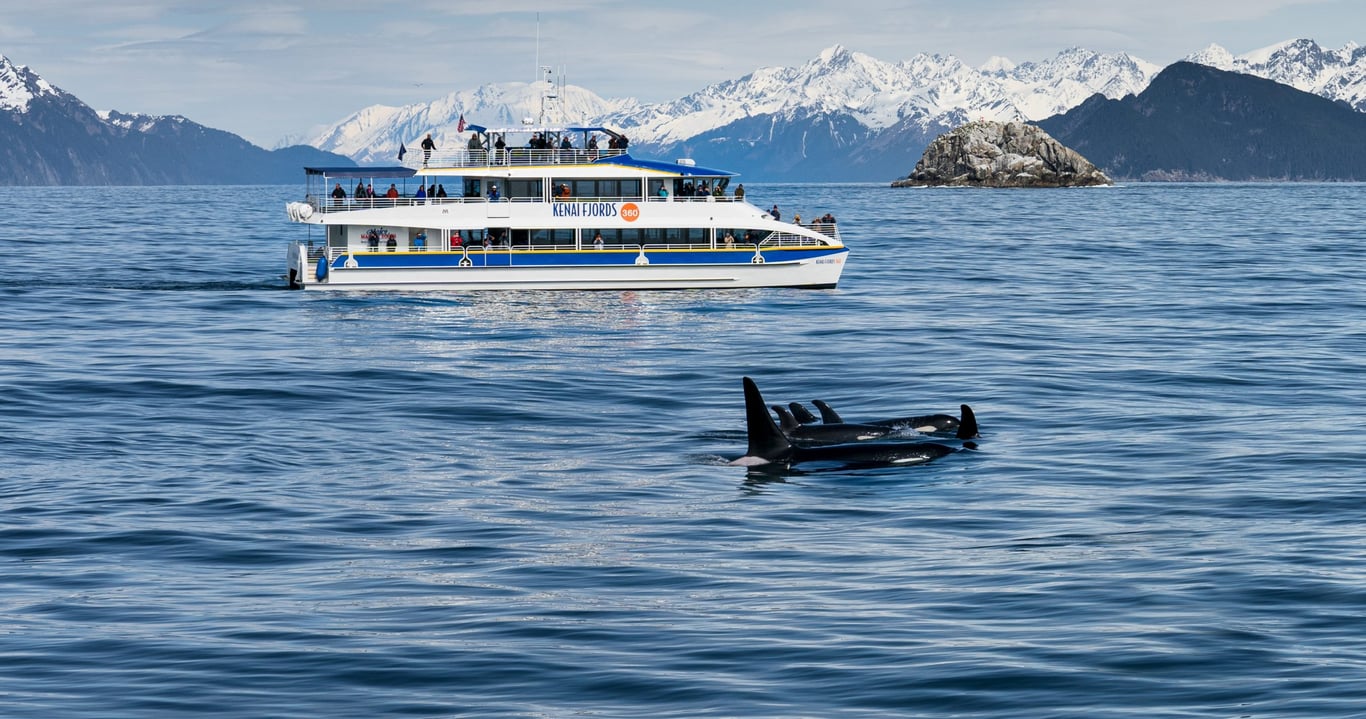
x: 825, y: 433
x: 769, y: 446
x: 925, y: 423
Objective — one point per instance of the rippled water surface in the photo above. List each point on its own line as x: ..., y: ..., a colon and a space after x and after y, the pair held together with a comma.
x: 220, y: 497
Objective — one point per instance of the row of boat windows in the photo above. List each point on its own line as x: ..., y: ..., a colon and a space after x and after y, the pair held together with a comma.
x: 610, y: 236
x: 565, y: 187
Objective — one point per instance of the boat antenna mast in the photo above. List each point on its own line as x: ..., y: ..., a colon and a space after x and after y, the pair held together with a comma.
x: 554, y: 89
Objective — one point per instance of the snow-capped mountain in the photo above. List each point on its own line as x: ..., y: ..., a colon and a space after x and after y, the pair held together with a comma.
x: 373, y: 134
x: 1302, y: 64
x: 928, y: 92
x: 49, y: 137
x: 19, y: 86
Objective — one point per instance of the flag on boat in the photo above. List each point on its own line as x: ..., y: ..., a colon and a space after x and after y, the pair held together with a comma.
x: 401, y: 151
x: 460, y: 127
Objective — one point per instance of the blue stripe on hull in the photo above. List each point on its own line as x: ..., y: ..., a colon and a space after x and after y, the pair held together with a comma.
x: 586, y: 258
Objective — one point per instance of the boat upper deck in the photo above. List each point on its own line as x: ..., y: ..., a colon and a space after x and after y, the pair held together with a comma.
x: 475, y: 159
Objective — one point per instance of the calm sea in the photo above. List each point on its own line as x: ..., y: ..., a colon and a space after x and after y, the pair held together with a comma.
x: 219, y: 497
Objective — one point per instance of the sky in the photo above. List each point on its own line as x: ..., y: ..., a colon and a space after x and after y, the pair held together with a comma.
x: 274, y: 69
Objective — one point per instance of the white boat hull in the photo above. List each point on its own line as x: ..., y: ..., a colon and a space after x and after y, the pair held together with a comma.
x: 821, y: 272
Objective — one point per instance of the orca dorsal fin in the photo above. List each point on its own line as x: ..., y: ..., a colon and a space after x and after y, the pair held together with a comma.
x: 786, y: 422
x: 801, y: 413
x: 967, y: 425
x: 766, y: 441
x: 828, y: 414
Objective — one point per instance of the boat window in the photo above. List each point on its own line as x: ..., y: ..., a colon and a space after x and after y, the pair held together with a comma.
x: 551, y: 238
x: 472, y: 188
x: 611, y: 188
x: 524, y: 188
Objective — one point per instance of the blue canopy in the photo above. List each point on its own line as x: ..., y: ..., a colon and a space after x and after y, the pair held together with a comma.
x: 538, y: 128
x: 361, y: 172
x: 671, y: 167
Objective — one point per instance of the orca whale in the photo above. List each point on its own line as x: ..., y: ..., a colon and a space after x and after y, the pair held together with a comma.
x: 825, y: 433
x: 769, y: 446
x: 926, y: 423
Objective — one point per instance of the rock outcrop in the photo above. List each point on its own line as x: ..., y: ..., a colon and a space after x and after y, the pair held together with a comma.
x: 1001, y: 154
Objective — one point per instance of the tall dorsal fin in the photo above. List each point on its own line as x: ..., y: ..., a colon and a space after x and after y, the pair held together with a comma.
x: 765, y: 439
x: 967, y: 424
x: 828, y: 415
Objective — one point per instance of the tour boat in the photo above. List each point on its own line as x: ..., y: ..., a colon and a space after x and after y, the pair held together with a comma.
x: 556, y: 211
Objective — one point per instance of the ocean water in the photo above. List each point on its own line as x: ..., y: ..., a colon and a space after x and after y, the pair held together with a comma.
x: 219, y: 497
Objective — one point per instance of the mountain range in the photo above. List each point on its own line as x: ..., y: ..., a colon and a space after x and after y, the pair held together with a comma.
x: 49, y: 137
x: 842, y: 116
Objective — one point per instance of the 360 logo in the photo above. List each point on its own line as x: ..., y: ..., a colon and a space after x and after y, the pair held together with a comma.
x: 630, y: 212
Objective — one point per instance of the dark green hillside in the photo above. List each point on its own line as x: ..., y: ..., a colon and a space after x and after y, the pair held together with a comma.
x: 1197, y: 123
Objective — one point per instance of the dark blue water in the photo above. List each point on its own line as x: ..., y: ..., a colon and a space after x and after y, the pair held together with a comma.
x: 219, y: 497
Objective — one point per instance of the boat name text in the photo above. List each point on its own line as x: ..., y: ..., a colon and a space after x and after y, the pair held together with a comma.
x: 628, y: 211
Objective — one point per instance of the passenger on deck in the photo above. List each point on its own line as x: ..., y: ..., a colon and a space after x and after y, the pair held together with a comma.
x: 597, y: 241
x: 421, y: 193
x: 565, y: 144
x: 564, y: 190
x: 440, y: 190
x: 427, y: 146
x: 776, y: 214
x: 730, y: 239
x: 493, y: 194
x: 740, y: 191
x: 420, y: 242
x: 476, y: 147
x: 797, y: 219
x: 338, y: 195
x: 393, y: 192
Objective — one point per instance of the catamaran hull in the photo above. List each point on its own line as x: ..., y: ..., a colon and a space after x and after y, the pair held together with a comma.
x: 814, y: 273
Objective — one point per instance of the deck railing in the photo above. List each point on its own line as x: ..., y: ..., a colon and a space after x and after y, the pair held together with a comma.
x: 508, y: 157
x: 333, y: 204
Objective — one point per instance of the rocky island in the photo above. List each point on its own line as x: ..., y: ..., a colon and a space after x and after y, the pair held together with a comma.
x: 1001, y: 154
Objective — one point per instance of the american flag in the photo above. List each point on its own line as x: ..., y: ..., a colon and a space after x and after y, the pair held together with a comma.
x: 460, y: 127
